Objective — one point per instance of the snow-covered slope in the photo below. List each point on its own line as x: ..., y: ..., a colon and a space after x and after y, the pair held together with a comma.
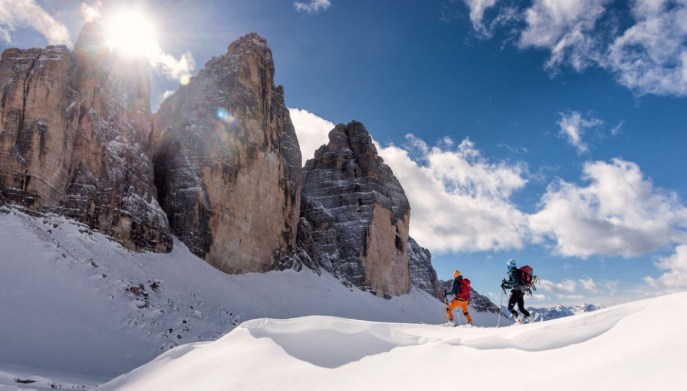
x: 636, y: 346
x: 77, y: 309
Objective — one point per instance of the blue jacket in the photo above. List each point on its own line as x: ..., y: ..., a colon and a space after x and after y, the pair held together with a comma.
x: 457, y: 287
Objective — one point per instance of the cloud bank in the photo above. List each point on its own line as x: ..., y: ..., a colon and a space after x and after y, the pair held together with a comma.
x: 463, y: 201
x: 675, y: 276
x: 642, y: 45
x: 16, y: 14
x: 572, y: 289
x: 460, y: 200
x: 619, y: 213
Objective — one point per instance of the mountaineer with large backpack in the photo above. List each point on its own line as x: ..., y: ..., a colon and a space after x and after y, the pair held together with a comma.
x: 462, y: 291
x: 520, y: 280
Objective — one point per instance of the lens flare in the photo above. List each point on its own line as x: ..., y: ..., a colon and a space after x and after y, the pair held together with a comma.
x: 225, y: 116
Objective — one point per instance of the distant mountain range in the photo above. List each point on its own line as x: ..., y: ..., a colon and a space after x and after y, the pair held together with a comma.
x: 561, y: 311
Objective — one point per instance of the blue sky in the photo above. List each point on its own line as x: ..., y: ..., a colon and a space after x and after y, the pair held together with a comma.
x: 552, y: 132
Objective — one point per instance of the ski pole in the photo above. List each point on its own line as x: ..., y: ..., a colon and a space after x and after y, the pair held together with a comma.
x: 498, y: 322
x: 446, y: 302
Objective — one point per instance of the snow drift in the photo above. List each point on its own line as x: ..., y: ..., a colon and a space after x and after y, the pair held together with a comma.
x: 636, y: 346
x: 78, y: 309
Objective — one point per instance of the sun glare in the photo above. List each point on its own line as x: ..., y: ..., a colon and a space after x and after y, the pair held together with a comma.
x: 131, y: 33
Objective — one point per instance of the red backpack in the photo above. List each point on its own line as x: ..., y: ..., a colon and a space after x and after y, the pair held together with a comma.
x: 465, y: 290
x: 526, y: 276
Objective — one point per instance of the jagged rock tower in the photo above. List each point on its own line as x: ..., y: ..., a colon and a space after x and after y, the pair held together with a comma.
x: 422, y: 273
x: 355, y: 215
x: 74, y: 129
x: 227, y: 162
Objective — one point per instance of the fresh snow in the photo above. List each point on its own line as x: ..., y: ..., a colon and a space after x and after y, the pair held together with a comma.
x: 636, y: 346
x: 76, y: 310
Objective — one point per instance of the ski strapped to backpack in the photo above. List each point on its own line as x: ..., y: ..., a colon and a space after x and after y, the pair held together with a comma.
x: 527, y: 278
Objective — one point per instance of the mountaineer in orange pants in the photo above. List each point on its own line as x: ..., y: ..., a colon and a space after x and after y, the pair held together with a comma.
x: 462, y: 291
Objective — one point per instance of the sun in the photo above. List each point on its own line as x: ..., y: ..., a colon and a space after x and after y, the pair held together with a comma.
x: 131, y: 33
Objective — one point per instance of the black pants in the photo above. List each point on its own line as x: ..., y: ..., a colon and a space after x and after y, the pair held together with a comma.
x: 517, y: 297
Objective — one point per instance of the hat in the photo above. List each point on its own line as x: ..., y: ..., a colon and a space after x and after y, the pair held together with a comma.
x: 511, y: 263
x: 456, y: 274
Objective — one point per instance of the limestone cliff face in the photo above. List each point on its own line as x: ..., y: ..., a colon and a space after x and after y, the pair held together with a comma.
x: 355, y: 215
x: 422, y: 273
x: 37, y: 125
x: 227, y: 162
x: 74, y: 136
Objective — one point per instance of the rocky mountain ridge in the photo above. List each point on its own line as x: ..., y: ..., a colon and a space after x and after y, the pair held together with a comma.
x: 73, y: 139
x: 227, y: 162
x: 218, y: 165
x: 354, y: 215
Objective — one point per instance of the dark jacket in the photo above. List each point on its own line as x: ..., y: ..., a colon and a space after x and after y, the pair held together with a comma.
x: 513, y: 281
x: 457, y: 287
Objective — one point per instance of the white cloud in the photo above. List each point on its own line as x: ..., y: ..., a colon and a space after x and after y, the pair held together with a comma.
x: 16, y: 14
x: 166, y: 95
x: 312, y: 7
x: 617, y: 129
x: 312, y: 131
x: 675, y: 277
x: 573, y: 126
x: 581, y: 288
x: 643, y: 45
x: 619, y: 213
x: 563, y: 27
x: 538, y: 297
x: 589, y: 284
x: 651, y: 56
x: 459, y: 199
x: 566, y: 287
x: 90, y: 12
x: 168, y: 65
x: 477, y: 10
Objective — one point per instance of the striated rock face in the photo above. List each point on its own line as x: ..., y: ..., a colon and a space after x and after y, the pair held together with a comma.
x: 227, y: 162
x: 355, y: 215
x: 422, y: 273
x: 74, y: 138
x: 37, y: 124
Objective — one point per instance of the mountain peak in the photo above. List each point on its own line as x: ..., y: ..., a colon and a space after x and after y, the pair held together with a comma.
x: 249, y: 40
x: 91, y: 39
x: 355, y: 213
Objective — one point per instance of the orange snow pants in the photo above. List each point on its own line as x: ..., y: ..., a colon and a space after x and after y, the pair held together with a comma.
x: 459, y: 303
